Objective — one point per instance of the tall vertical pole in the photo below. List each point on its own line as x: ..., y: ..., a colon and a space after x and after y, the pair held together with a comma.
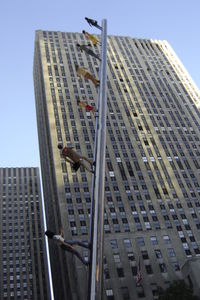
x: 96, y: 290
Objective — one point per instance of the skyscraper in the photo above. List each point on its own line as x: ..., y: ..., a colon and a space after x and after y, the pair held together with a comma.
x: 152, y: 182
x: 23, y: 259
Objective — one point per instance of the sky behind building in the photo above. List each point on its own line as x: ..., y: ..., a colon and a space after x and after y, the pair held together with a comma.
x: 175, y: 21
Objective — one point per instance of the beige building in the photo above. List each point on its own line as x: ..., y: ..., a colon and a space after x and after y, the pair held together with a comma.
x: 152, y: 186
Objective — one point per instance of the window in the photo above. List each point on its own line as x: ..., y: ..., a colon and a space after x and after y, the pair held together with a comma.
x: 127, y: 243
x: 140, y: 291
x: 171, y: 252
x: 134, y: 270
x: 166, y: 239
x: 106, y: 273
x: 154, y: 289
x: 175, y: 266
x: 197, y: 251
x: 109, y: 294
x: 140, y: 241
x: 145, y: 255
x: 113, y: 244
x: 120, y: 272
x: 154, y: 240
x: 116, y: 258
x: 188, y: 252
x: 158, y: 253
x: 131, y: 256
x: 163, y: 268
x: 125, y: 293
x: 148, y: 269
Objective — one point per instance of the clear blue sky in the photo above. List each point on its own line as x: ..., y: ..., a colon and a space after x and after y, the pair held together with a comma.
x: 176, y: 21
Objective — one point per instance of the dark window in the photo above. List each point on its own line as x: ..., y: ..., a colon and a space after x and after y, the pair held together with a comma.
x: 106, y: 273
x: 149, y: 269
x: 163, y: 268
x: 131, y: 256
x: 140, y: 292
x: 158, y: 253
x: 145, y: 255
x: 125, y: 293
x: 134, y: 270
x: 120, y: 272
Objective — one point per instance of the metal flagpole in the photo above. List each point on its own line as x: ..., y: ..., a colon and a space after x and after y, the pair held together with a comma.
x: 96, y: 288
x: 91, y: 226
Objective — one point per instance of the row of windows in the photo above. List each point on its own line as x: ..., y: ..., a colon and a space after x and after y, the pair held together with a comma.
x: 18, y: 172
x: 148, y: 268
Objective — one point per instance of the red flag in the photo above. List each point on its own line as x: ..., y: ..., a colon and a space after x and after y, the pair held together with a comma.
x: 139, y: 275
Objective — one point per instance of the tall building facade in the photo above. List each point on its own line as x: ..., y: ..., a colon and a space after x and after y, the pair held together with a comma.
x: 23, y: 259
x: 152, y: 186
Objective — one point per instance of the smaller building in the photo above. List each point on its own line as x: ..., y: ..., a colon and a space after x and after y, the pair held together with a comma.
x: 23, y: 259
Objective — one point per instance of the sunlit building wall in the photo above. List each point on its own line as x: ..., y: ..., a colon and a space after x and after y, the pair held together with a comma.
x: 152, y: 186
